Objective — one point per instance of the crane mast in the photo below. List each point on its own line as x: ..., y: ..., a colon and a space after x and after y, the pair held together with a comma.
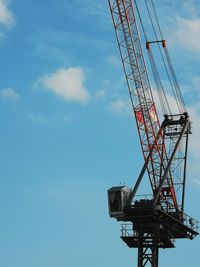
x: 154, y: 223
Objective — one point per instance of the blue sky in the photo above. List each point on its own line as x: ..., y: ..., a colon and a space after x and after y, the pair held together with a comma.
x: 67, y: 132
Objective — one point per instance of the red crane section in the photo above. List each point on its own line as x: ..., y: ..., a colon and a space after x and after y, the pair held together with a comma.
x: 148, y: 125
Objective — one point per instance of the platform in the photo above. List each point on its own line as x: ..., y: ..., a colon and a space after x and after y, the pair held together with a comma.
x: 150, y: 226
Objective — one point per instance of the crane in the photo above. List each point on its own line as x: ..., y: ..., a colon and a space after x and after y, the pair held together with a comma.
x: 153, y: 221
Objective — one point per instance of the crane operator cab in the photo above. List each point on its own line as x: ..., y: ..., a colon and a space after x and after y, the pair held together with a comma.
x: 117, y: 199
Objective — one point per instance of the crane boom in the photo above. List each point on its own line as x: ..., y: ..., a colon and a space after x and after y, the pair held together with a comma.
x: 148, y: 125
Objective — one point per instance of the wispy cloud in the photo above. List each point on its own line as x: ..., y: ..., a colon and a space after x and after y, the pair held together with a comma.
x: 113, y: 60
x: 120, y: 106
x: 59, y: 45
x: 6, y: 16
x: 9, y: 93
x: 192, y: 7
x: 66, y: 83
x: 100, y: 94
x: 196, y: 181
x: 187, y: 33
x: 49, y: 119
x: 88, y: 9
x: 36, y: 118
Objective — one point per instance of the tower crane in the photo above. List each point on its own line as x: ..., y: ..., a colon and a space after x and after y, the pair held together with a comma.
x: 152, y: 221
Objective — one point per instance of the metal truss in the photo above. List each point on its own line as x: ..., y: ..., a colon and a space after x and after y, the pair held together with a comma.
x: 139, y: 87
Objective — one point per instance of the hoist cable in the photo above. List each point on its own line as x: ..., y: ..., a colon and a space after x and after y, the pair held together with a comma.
x: 175, y: 93
x: 159, y: 86
x: 146, y: 39
x: 157, y: 82
x: 156, y: 16
x: 180, y: 97
x: 143, y: 29
x: 176, y: 85
x: 181, y: 100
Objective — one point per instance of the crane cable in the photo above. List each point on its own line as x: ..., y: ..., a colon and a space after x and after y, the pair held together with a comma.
x: 172, y: 80
x: 163, y: 60
x: 177, y: 91
x: 161, y: 94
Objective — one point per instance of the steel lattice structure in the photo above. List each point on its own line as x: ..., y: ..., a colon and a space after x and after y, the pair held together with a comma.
x: 147, y: 120
x: 157, y: 222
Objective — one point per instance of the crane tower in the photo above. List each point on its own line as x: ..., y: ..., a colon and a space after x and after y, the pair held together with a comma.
x: 152, y: 222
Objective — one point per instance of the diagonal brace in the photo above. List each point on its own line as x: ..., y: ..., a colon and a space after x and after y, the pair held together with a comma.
x: 133, y: 193
x: 170, y: 162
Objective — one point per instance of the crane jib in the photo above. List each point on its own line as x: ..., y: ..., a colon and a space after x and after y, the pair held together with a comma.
x: 148, y: 125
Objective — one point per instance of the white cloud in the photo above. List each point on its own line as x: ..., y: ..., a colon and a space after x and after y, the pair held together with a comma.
x: 113, y: 60
x: 87, y: 10
x: 120, y: 106
x: 188, y: 33
x: 9, y: 93
x: 6, y: 16
x: 36, y: 118
x: 172, y: 104
x: 67, y: 83
x: 49, y: 118
x: 100, y: 94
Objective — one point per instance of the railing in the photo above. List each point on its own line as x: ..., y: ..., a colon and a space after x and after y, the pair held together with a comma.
x: 145, y: 197
x: 127, y: 230
x: 170, y: 210
x: 182, y: 217
x: 147, y: 238
x: 188, y: 221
